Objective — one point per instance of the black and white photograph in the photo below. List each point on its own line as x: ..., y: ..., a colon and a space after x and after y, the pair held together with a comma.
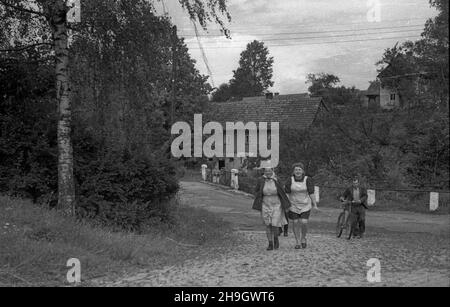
x: 224, y: 150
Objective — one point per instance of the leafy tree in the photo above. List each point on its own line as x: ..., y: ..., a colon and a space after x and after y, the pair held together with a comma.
x: 254, y: 74
x: 427, y: 149
x: 117, y: 188
x: 324, y: 85
x: 223, y: 93
x: 420, y: 70
x: 127, y: 83
x: 399, y: 69
x: 432, y: 51
x: 321, y: 82
x: 51, y: 15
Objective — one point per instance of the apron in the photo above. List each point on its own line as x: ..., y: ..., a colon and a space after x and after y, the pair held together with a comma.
x: 272, y: 213
x: 300, y: 200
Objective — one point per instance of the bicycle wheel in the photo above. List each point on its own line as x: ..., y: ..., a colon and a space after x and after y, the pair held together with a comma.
x: 340, y: 224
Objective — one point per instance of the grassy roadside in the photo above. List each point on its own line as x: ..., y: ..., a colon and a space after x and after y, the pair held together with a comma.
x: 35, y: 244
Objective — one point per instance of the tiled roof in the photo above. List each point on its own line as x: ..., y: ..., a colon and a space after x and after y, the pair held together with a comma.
x: 290, y: 96
x: 374, y: 89
x: 291, y: 111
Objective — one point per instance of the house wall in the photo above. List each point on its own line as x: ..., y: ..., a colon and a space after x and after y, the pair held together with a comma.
x: 386, y: 101
x: 372, y: 102
x: 233, y: 163
x: 365, y: 102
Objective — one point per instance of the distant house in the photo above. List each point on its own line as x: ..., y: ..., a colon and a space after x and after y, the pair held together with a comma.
x: 397, y: 86
x: 379, y: 97
x: 298, y: 111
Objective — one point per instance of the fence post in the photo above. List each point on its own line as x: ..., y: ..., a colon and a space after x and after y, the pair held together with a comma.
x: 371, y: 197
x: 434, y: 201
x: 317, y: 193
x: 204, y: 167
x: 234, y: 179
x: 216, y: 176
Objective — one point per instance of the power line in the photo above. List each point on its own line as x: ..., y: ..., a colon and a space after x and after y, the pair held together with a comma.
x: 164, y: 7
x: 101, y: 18
x: 315, y: 43
x: 205, y: 59
x: 313, y: 32
x: 258, y: 26
x: 316, y: 32
x: 410, y: 74
x: 319, y: 37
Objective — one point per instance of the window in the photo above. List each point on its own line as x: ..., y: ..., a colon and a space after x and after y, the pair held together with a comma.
x: 392, y: 97
x: 221, y: 164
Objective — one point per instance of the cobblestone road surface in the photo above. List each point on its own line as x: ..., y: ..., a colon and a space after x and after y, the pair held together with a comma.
x: 413, y: 250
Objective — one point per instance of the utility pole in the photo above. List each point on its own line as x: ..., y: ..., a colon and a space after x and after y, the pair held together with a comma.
x: 173, y: 38
x: 174, y: 71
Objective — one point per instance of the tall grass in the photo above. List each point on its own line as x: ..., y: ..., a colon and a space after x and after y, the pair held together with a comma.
x: 35, y: 244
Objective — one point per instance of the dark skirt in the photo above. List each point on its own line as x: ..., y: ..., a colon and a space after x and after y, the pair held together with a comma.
x: 296, y: 216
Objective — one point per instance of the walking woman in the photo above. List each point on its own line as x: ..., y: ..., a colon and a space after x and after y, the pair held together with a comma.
x: 300, y: 189
x: 272, y: 202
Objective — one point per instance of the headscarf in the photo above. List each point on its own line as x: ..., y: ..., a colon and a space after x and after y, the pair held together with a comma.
x: 272, y: 177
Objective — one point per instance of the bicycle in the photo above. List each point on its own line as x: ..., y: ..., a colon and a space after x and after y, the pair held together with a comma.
x: 348, y: 226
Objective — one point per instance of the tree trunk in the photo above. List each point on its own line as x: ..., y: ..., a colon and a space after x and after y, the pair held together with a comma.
x: 66, y: 185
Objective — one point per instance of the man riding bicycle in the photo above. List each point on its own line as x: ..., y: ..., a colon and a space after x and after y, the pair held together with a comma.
x: 356, y: 197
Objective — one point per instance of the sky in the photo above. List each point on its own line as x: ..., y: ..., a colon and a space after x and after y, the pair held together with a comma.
x: 345, y: 38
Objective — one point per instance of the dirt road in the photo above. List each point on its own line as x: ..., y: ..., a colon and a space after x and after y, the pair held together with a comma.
x: 413, y: 250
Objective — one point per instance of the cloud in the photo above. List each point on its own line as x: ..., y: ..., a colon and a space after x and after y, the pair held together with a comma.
x: 296, y: 55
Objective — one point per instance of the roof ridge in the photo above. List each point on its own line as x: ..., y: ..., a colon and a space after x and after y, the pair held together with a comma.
x: 294, y: 112
x: 268, y: 100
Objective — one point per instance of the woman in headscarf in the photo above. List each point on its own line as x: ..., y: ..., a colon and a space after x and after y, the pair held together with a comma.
x: 272, y: 202
x: 300, y: 189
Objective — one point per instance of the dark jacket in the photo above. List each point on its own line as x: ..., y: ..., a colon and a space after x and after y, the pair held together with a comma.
x: 257, y: 203
x: 348, y: 195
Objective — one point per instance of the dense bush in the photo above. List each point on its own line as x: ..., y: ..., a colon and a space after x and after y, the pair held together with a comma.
x: 27, y: 129
x: 123, y: 191
x: 428, y: 151
x: 116, y: 188
x: 247, y: 184
x: 27, y: 157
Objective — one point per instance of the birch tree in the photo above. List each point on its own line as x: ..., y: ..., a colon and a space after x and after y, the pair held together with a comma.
x: 52, y: 14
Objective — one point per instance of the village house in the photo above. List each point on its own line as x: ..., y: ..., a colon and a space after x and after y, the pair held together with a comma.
x: 393, y: 90
x: 296, y: 111
x: 381, y: 97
